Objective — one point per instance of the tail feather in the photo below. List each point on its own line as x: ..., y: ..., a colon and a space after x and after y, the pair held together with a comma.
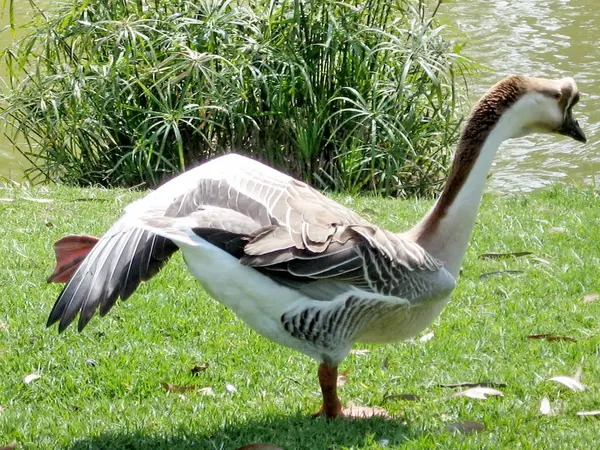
x: 70, y: 251
x: 113, y: 268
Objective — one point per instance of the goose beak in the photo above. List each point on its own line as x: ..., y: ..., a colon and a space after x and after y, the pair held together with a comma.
x: 570, y: 127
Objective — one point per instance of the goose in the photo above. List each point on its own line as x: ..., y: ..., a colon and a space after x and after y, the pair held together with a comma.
x: 293, y: 264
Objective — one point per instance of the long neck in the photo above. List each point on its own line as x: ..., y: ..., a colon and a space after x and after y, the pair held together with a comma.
x: 445, y: 230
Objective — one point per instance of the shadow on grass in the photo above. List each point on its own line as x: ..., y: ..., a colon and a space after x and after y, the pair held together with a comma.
x: 289, y: 433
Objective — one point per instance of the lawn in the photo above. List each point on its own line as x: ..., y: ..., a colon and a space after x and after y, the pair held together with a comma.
x: 102, y: 388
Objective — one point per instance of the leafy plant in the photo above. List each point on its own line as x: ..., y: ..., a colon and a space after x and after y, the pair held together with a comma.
x: 347, y: 95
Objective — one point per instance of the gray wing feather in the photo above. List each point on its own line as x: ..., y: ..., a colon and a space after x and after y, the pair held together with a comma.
x: 305, y: 240
x: 278, y: 225
x: 114, y: 268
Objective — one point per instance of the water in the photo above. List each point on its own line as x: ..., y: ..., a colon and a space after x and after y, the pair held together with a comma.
x: 547, y: 38
x: 550, y: 38
x: 12, y: 162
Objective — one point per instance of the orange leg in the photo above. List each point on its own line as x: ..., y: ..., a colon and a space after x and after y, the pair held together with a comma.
x: 332, y: 407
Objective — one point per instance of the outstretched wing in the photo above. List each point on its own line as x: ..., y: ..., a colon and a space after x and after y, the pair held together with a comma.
x: 268, y: 220
x: 123, y: 258
x: 297, y: 236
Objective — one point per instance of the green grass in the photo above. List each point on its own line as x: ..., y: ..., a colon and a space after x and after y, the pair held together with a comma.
x: 170, y: 324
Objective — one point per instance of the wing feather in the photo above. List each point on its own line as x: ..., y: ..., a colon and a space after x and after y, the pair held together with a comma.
x: 280, y: 226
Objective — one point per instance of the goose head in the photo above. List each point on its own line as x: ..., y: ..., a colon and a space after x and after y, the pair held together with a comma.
x: 544, y: 106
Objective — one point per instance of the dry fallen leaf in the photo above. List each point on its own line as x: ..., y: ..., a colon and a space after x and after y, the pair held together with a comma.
x: 365, y: 412
x: 405, y: 397
x: 31, y: 377
x: 545, y: 407
x: 199, y: 368
x: 479, y: 393
x: 551, y: 337
x: 569, y: 382
x: 476, y: 384
x: 10, y: 446
x: 542, y: 260
x: 494, y: 255
x: 385, y: 362
x: 591, y: 298
x: 3, y: 326
x: 466, y: 427
x: 579, y: 372
x: 588, y: 413
x: 260, y: 447
x: 206, y: 391
x: 557, y: 230
x: 427, y: 337
x: 38, y: 200
x: 342, y: 379
x: 360, y: 352
x: 175, y: 388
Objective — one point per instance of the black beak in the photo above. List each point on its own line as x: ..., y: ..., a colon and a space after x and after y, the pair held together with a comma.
x: 570, y: 127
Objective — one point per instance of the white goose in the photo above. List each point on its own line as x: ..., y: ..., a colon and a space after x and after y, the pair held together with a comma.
x: 296, y: 266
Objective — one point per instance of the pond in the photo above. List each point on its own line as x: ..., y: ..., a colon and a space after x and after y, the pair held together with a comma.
x: 547, y: 38
x: 550, y: 38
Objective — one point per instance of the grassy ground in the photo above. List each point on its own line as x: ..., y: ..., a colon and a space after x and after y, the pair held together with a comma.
x: 102, y: 388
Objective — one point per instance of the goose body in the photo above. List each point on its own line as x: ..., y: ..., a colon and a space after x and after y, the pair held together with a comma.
x: 296, y: 266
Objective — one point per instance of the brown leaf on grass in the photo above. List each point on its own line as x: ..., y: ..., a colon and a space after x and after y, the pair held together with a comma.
x: 589, y: 413
x: 479, y: 393
x: 588, y: 298
x: 369, y: 211
x: 260, y: 447
x: 175, y: 388
x: 551, y: 337
x: 545, y: 407
x: 466, y: 427
x: 364, y: 412
x: 342, y: 379
x: 494, y: 255
x: 491, y: 384
x: 485, y: 276
x: 199, y: 368
x: 385, y: 362
x: 10, y: 446
x: 569, y: 382
x: 405, y: 397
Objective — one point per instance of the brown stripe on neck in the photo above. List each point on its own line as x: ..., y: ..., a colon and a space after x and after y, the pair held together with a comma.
x: 482, y: 120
